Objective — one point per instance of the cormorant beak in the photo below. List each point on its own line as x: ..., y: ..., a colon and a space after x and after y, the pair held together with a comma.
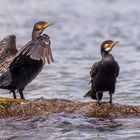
x: 114, y: 43
x: 109, y: 47
x: 47, y: 25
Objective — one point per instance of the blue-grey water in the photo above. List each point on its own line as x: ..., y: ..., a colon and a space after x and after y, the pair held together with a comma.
x: 80, y: 27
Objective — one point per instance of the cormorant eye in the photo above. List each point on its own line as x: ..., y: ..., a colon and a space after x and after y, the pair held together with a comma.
x: 106, y: 46
x: 39, y: 27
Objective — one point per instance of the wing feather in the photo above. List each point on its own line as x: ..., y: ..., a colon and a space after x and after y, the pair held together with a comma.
x: 94, y: 69
x: 117, y: 68
x: 36, y: 50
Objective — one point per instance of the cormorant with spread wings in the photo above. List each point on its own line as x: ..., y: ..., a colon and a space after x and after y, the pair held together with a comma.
x: 28, y: 62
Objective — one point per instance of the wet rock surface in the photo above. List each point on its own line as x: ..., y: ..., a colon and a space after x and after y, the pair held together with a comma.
x: 39, y: 107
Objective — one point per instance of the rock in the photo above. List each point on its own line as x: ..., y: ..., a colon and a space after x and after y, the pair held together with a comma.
x: 22, y: 108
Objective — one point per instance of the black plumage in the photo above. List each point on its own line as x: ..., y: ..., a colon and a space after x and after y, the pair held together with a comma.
x: 28, y: 62
x: 7, y: 51
x: 103, y: 73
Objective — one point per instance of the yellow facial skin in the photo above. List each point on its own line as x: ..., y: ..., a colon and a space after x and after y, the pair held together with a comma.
x: 108, y: 47
x: 43, y: 26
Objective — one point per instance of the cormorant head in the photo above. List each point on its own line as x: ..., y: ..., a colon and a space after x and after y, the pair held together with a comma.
x: 39, y: 27
x: 107, y: 46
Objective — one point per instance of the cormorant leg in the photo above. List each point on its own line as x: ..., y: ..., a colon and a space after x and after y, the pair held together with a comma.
x: 97, y: 97
x: 14, y: 94
x: 110, y: 101
x: 21, y: 94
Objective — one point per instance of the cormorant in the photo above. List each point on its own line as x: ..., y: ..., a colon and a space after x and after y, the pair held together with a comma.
x: 103, y: 73
x: 28, y: 62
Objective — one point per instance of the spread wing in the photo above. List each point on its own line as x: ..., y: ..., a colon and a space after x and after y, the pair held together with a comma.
x: 42, y: 50
x: 37, y: 50
x: 117, y: 69
x: 20, y: 57
x: 7, y: 52
x: 94, y: 69
x: 5, y: 79
x: 7, y: 47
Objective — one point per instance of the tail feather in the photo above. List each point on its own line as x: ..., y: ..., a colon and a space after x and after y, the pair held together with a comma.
x: 89, y: 93
x: 92, y: 94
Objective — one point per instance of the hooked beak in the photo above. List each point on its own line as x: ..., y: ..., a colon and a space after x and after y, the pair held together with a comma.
x: 114, y: 43
x: 47, y: 25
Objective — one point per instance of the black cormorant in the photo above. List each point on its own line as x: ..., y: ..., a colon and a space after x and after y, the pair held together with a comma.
x: 28, y: 62
x: 103, y: 73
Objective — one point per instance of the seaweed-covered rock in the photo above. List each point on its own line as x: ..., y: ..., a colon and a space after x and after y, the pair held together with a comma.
x: 22, y: 108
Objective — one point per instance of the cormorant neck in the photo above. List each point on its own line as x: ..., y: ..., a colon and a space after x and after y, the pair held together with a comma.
x: 35, y: 34
x: 103, y: 53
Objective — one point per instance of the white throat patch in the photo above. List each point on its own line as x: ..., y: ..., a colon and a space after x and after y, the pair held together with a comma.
x: 107, y: 49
